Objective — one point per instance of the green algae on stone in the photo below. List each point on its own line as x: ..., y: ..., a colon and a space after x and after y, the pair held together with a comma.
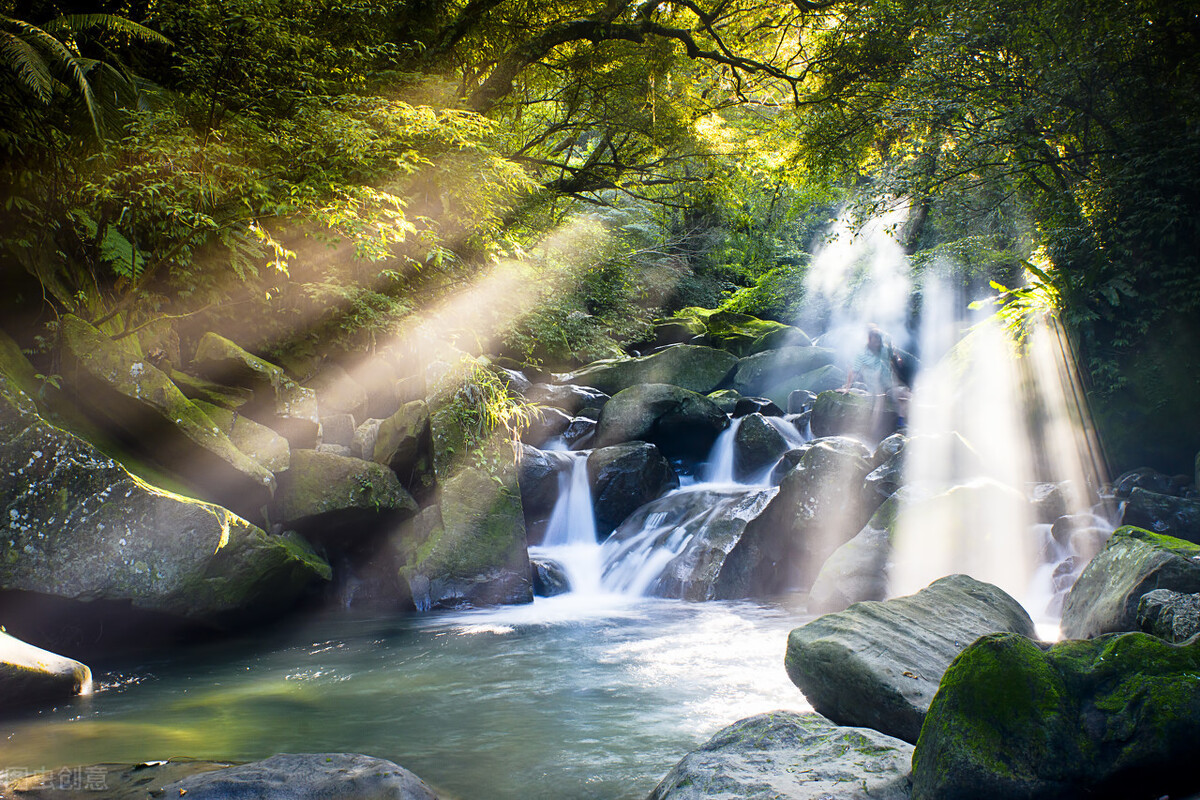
x: 738, y: 333
x: 1115, y: 716
x: 262, y: 444
x: 698, y: 369
x: 319, y: 487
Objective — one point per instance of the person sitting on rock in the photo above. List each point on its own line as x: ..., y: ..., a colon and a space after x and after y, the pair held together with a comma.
x: 875, y: 367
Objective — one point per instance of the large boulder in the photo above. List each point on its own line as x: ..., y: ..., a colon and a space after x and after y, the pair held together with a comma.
x: 308, y: 776
x: 699, y: 369
x: 679, y: 421
x: 265, y: 446
x: 1163, y: 513
x: 845, y: 414
x: 858, y: 570
x: 79, y: 527
x: 697, y: 531
x: 878, y: 664
x: 568, y: 398
x: 1169, y: 615
x: 757, y: 445
x: 279, y: 402
x: 739, y: 333
x: 1105, y: 597
x: 323, y: 495
x: 138, y: 402
x: 623, y: 478
x: 782, y: 755
x: 404, y: 442
x: 1117, y: 716
x: 763, y: 373
x: 31, y: 675
x: 478, y: 554
x: 538, y: 477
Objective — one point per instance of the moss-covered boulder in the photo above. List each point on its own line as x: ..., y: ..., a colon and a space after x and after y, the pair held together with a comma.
x: 674, y: 330
x: 195, y: 388
x: 739, y: 333
x: 265, y: 446
x: 765, y: 372
x: 322, y: 492
x: 78, y: 527
x: 1163, y: 513
x: 1135, y: 561
x: 699, y: 369
x: 30, y: 675
x: 725, y: 399
x: 279, y: 401
x: 845, y: 414
x: 1117, y: 716
x: 128, y: 394
x: 478, y: 554
x: 679, y: 421
x: 625, y: 477
x: 878, y: 664
x: 404, y: 442
x: 782, y: 755
x: 784, y: 336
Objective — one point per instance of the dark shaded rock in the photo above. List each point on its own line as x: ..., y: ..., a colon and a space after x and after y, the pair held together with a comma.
x: 760, y: 758
x: 279, y: 402
x: 756, y: 405
x: 1105, y: 597
x: 131, y: 397
x: 309, y: 776
x: 478, y: 555
x: 567, y: 398
x: 726, y: 399
x: 1173, y: 516
x: 844, y: 414
x: 883, y: 481
x: 625, y: 477
x: 404, y: 442
x: 698, y: 369
x: 338, y: 393
x: 800, y: 400
x: 1169, y: 615
x: 765, y: 373
x: 878, y: 664
x: 1146, y: 478
x: 679, y: 421
x: 892, y: 446
x: 30, y: 675
x: 706, y: 527
x: 194, y: 388
x: 1117, y: 716
x: 338, y: 429
x: 545, y: 424
x: 538, y: 478
x: 579, y: 432
x: 77, y: 526
x: 549, y: 577
x: 786, y: 463
x: 756, y: 445
x: 675, y: 330
x: 324, y: 495
x: 268, y: 449
x: 858, y: 570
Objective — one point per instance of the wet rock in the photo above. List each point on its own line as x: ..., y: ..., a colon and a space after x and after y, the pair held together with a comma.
x: 704, y: 528
x: 1146, y: 478
x: 1086, y: 543
x: 698, y: 369
x: 858, y: 570
x: 579, y: 432
x: 545, y: 424
x: 549, y: 577
x: 1117, y: 716
x: 265, y: 446
x: 845, y: 414
x: 1172, y: 516
x: 756, y: 405
x: 338, y: 393
x: 326, y: 495
x: 625, y: 477
x: 478, y: 555
x: 766, y: 373
x: 679, y: 421
x: 78, y: 527
x: 309, y: 776
x: 759, y: 758
x: 756, y: 446
x: 567, y: 398
x: 1169, y: 615
x: 891, y: 446
x: 878, y: 664
x: 338, y: 429
x: 514, y: 380
x: 800, y: 400
x: 786, y: 463
x: 1053, y: 500
x: 129, y: 394
x: 279, y: 402
x: 885, y: 480
x: 726, y: 399
x: 30, y: 675
x: 538, y: 478
x: 1105, y: 597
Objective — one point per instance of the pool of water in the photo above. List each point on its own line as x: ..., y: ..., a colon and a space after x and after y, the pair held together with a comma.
x: 569, y: 697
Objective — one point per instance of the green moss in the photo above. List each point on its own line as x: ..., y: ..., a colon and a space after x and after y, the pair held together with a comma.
x: 1180, y: 547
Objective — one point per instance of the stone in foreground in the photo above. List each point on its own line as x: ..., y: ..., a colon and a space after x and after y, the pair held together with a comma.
x: 782, y: 755
x: 878, y: 664
x: 309, y: 776
x: 30, y: 674
x: 1113, y: 717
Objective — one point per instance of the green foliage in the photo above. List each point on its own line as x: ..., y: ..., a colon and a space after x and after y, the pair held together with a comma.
x: 482, y: 408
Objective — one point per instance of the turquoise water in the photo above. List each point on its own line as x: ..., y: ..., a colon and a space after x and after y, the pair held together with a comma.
x: 567, y: 698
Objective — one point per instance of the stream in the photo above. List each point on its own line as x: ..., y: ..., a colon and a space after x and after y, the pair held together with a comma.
x: 564, y: 698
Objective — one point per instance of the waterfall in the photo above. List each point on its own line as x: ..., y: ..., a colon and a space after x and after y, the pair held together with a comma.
x: 719, y: 468
x: 571, y: 533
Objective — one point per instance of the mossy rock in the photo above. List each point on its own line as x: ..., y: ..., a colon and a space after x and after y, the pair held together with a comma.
x: 194, y: 388
x: 265, y: 446
x: 783, y: 755
x: 738, y: 333
x: 321, y: 491
x: 770, y: 370
x: 698, y: 369
x: 725, y: 399
x: 1105, y: 597
x: 680, y: 422
x: 77, y: 526
x: 30, y: 675
x: 404, y: 443
x: 844, y: 414
x: 1116, y: 716
x: 478, y: 555
x: 784, y: 336
x: 113, y: 382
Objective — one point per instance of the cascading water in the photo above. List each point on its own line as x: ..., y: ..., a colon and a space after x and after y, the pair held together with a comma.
x: 570, y: 539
